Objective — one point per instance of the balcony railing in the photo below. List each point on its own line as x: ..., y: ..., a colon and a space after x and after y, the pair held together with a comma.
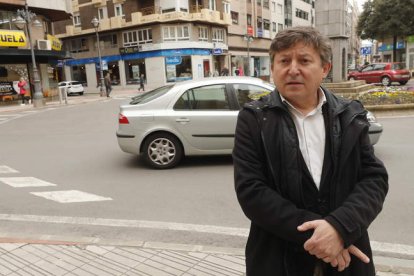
x: 196, y: 8
x: 150, y: 10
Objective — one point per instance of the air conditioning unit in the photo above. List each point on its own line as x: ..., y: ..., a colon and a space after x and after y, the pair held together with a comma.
x: 44, y: 44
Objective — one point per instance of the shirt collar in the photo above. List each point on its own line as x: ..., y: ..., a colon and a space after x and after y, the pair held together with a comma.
x: 321, y: 97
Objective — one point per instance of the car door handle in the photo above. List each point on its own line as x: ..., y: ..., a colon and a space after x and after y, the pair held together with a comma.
x: 182, y: 120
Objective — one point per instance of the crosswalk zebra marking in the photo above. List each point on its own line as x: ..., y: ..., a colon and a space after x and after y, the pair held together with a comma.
x: 22, y: 182
x: 70, y: 196
x: 7, y: 169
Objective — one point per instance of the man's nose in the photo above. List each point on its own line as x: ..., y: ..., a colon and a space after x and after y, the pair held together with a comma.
x: 294, y: 68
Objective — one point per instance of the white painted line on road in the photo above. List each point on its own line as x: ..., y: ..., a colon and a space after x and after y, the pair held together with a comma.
x: 7, y: 169
x: 210, y: 229
x: 70, y: 196
x: 21, y: 182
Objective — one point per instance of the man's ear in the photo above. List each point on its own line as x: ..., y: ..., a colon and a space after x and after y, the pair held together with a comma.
x: 326, y: 68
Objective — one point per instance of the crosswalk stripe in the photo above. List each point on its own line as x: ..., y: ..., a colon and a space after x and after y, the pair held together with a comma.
x: 22, y: 182
x: 7, y: 169
x: 70, y: 196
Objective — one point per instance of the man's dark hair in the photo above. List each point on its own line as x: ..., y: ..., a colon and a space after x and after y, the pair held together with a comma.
x: 307, y: 35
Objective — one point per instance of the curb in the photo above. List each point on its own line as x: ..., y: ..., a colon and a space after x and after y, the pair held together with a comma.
x: 390, y: 107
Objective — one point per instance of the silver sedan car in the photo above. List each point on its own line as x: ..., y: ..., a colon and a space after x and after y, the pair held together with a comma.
x: 187, y: 118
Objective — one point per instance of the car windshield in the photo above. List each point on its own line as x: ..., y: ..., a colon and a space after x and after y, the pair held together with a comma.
x: 151, y: 95
x: 398, y: 66
x: 75, y: 83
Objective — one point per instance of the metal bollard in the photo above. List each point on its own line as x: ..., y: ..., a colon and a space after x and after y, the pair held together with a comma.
x: 63, y: 95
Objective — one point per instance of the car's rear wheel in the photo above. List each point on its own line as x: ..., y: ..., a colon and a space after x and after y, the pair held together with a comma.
x: 386, y: 81
x: 162, y: 151
x: 403, y: 82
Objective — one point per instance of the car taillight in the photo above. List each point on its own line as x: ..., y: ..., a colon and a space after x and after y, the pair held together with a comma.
x: 123, y: 119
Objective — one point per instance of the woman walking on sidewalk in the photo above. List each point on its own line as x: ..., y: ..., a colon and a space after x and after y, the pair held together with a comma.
x: 22, y: 84
x: 141, y: 83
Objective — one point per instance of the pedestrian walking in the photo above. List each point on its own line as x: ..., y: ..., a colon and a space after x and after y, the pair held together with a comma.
x: 108, y: 84
x: 305, y: 172
x: 141, y: 83
x: 224, y: 71
x: 23, y: 86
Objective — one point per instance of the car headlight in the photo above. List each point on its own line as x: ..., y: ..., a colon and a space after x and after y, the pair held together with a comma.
x: 371, y: 117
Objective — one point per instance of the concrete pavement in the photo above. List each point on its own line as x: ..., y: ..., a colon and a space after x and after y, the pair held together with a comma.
x: 71, y: 256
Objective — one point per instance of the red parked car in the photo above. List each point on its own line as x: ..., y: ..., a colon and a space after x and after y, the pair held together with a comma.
x: 384, y: 73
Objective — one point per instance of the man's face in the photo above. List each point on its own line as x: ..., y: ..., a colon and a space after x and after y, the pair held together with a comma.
x: 298, y: 72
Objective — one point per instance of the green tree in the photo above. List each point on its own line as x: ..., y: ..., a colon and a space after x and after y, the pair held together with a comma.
x: 381, y: 19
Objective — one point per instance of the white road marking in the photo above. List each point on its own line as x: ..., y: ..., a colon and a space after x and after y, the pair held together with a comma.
x: 21, y: 182
x: 70, y: 196
x: 7, y: 169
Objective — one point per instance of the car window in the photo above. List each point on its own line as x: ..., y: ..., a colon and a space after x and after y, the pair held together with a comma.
x: 248, y: 92
x: 151, y: 95
x: 378, y: 67
x: 212, y: 97
x: 75, y: 83
x: 368, y: 68
x: 62, y: 84
x: 398, y: 66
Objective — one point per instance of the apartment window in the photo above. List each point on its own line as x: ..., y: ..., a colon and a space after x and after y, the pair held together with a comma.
x: 226, y: 7
x: 302, y: 14
x: 259, y: 2
x: 108, y: 41
x: 78, y: 45
x: 279, y: 9
x: 212, y: 4
x: 119, y: 10
x: 134, y: 38
x: 102, y: 13
x: 266, y: 4
x: 76, y: 20
x: 235, y: 17
x: 274, y: 27
x: 266, y: 25
x: 249, y: 19
x: 176, y: 33
x: 203, y: 34
x: 279, y: 27
x: 259, y: 22
x: 273, y: 6
x: 307, y: 1
x: 218, y: 35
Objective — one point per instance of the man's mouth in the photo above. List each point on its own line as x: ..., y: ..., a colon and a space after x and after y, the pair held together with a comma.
x: 294, y: 83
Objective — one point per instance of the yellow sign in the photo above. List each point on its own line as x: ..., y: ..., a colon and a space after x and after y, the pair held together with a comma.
x: 10, y: 38
x: 55, y: 42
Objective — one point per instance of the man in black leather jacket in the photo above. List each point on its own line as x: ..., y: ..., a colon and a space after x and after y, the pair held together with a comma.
x: 305, y: 172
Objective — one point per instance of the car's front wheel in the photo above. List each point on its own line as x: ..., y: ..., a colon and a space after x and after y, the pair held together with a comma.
x: 386, y: 81
x: 162, y: 151
x: 351, y: 78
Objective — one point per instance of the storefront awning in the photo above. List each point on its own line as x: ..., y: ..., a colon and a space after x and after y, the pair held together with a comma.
x: 14, y: 55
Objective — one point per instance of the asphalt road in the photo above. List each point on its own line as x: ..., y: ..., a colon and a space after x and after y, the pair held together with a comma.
x: 75, y: 149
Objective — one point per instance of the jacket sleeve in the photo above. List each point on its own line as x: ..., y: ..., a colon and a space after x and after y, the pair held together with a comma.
x: 256, y: 194
x: 352, y: 218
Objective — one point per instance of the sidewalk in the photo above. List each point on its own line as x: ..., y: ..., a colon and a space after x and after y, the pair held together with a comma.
x: 45, y: 257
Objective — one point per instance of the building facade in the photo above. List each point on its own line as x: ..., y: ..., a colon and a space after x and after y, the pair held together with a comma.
x: 163, y: 40
x: 173, y: 40
x: 15, y: 53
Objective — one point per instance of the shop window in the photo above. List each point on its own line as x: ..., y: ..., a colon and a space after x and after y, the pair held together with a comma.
x: 134, y: 69
x: 79, y: 73
x: 178, y: 68
x: 203, y: 34
x: 211, y: 97
x: 113, y: 69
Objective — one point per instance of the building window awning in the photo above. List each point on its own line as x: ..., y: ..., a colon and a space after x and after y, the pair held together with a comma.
x: 14, y: 55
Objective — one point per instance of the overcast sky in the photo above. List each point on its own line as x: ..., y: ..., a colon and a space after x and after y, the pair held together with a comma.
x: 360, y: 4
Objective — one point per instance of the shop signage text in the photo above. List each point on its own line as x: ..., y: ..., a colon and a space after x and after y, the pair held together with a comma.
x: 6, y: 88
x: 12, y: 38
x: 174, y: 60
x: 217, y: 51
x: 129, y: 50
x: 55, y: 42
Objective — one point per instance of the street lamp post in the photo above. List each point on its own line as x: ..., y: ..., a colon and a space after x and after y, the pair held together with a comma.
x: 95, y: 23
x: 23, y: 20
x: 249, y: 39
